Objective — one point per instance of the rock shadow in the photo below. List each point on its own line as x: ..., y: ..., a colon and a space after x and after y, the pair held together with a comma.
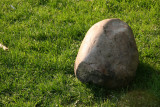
x: 146, y: 77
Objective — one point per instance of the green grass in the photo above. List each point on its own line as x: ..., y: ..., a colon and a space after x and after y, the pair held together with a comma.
x: 43, y: 37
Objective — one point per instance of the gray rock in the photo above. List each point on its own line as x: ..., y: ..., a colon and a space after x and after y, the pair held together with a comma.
x: 108, y: 55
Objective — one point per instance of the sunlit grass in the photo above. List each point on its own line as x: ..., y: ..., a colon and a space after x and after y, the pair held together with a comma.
x: 43, y: 37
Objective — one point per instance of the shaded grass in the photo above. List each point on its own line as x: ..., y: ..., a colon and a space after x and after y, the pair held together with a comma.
x: 44, y: 36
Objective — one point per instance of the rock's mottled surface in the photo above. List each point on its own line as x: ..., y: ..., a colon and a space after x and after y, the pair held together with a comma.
x: 108, y: 55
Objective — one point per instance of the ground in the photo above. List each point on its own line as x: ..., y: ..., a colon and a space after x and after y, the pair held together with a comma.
x: 43, y: 37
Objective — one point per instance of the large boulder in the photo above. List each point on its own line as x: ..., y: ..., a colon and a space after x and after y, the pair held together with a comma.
x: 108, y: 55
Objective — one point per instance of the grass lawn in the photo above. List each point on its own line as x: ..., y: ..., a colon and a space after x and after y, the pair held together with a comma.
x: 43, y: 37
